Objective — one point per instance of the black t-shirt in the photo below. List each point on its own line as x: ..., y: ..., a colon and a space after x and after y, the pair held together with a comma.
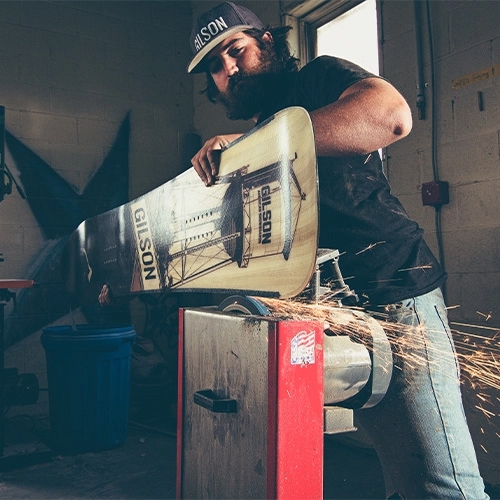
x: 384, y: 258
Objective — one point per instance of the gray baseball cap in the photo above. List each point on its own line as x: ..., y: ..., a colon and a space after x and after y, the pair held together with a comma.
x: 214, y: 26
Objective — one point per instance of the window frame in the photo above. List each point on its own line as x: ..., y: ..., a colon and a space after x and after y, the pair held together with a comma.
x: 306, y: 17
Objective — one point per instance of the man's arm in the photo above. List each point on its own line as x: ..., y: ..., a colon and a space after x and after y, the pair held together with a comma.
x: 369, y: 115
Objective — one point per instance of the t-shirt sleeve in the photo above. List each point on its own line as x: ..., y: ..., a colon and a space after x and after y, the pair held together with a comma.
x: 324, y: 79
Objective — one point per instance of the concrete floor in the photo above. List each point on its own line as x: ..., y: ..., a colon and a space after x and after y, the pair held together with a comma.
x: 144, y: 466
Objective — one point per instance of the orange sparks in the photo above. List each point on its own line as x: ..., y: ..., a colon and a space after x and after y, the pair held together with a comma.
x: 427, y: 266
x: 370, y: 246
x: 485, y: 316
x: 478, y: 353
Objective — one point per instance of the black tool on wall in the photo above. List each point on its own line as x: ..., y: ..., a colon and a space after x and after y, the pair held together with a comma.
x: 6, y: 177
x: 6, y: 180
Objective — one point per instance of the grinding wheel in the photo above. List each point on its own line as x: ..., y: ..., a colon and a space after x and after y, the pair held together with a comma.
x: 242, y: 304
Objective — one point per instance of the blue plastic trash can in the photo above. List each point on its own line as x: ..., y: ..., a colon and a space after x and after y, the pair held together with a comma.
x: 88, y: 374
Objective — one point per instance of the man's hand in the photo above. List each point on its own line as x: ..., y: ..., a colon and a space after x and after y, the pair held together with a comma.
x: 206, y: 160
x: 105, y: 298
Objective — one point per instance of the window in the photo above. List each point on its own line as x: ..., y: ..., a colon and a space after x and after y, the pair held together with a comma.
x: 352, y: 36
x: 343, y: 28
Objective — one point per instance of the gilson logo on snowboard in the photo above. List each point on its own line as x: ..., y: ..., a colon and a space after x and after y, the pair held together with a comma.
x: 265, y: 215
x: 145, y: 247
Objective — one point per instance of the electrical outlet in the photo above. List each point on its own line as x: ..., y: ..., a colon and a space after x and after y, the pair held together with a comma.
x: 435, y: 193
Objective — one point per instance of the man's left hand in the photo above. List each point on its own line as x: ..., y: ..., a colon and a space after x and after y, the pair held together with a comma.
x: 206, y: 161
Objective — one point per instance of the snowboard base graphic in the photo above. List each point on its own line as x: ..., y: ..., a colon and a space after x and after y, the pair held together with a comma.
x: 253, y: 232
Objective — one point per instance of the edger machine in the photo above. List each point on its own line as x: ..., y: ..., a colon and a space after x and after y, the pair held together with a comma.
x: 258, y: 390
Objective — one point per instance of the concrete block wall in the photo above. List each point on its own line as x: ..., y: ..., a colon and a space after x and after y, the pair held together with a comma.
x: 466, y: 42
x: 69, y: 74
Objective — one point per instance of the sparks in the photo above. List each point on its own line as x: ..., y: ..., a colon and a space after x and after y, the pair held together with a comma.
x: 477, y: 351
x: 485, y: 316
x: 427, y: 266
x: 370, y: 246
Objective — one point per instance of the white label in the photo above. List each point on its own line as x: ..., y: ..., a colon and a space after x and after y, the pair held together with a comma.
x: 303, y: 348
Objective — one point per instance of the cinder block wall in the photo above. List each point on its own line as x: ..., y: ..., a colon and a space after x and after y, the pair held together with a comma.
x: 466, y: 47
x: 69, y: 74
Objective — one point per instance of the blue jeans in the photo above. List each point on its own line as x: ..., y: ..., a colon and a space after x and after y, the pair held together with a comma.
x: 419, y: 428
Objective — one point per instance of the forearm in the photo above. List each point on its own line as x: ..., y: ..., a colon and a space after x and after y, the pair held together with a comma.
x: 370, y: 115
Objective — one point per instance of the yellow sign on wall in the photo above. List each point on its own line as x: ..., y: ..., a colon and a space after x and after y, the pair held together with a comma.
x: 476, y: 77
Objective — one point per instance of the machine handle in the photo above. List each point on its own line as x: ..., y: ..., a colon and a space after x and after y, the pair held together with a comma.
x: 209, y: 400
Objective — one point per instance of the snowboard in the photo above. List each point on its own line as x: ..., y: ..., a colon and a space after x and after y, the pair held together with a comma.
x: 254, y: 231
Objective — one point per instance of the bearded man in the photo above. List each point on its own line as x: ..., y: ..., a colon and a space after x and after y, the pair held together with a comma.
x: 419, y: 429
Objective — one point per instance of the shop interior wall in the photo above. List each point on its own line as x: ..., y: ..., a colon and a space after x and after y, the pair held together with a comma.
x: 464, y: 84
x: 85, y: 85
x: 466, y: 89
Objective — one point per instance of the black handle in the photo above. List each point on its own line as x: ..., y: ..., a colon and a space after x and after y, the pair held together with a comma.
x: 209, y: 400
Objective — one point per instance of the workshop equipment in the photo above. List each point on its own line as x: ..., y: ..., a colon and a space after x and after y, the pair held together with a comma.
x: 19, y: 388
x: 257, y: 393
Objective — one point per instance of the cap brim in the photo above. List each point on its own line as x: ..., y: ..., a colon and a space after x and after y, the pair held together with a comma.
x: 194, y: 65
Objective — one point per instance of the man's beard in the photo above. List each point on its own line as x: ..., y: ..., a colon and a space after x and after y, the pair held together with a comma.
x: 249, y: 92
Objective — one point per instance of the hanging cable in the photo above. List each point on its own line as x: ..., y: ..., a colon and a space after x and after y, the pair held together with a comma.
x: 420, y: 100
x: 435, y: 167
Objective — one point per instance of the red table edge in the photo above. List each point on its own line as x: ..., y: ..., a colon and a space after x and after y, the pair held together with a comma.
x: 16, y: 283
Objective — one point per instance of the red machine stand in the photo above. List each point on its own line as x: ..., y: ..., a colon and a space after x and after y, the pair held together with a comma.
x: 250, y: 422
